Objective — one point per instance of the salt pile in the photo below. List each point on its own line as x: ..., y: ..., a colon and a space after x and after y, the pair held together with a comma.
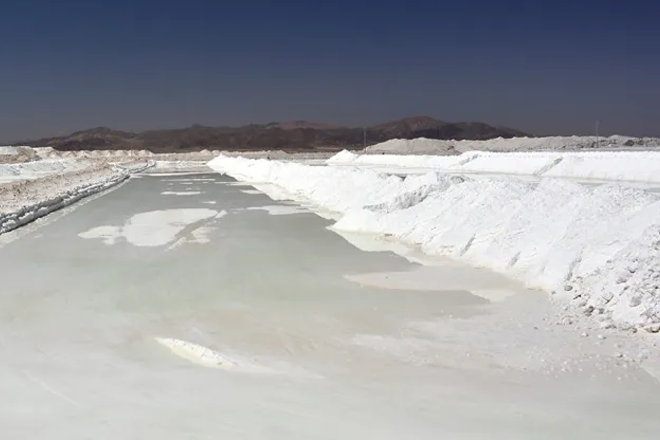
x: 634, y: 166
x: 597, y: 247
x: 23, y: 201
x: 405, y: 161
x: 9, y: 151
x: 413, y: 146
x: 40, y: 168
x: 550, y: 143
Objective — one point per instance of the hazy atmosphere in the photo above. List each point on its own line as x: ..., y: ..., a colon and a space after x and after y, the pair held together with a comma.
x: 542, y: 68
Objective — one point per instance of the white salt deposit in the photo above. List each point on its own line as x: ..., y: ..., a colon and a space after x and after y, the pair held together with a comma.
x: 404, y: 161
x: 433, y: 146
x: 485, y: 284
x: 24, y: 202
x: 179, y: 164
x: 197, y: 354
x: 206, y: 357
x: 633, y: 166
x: 186, y: 181
x: 154, y: 228
x: 41, y: 168
x: 158, y: 228
x: 108, y: 234
x: 200, y: 235
x: 279, y: 209
x: 275, y: 192
x: 593, y: 245
x: 180, y: 193
x: 9, y: 151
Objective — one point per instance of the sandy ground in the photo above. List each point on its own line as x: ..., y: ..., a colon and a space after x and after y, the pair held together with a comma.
x: 166, y: 316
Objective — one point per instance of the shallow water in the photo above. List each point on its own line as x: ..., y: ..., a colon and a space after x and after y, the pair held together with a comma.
x: 262, y: 324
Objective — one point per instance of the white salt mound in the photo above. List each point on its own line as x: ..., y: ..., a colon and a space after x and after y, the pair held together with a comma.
x: 40, y: 168
x: 597, y: 246
x: 9, y: 151
x: 344, y: 157
x: 633, y: 166
x: 413, y: 146
x: 550, y: 143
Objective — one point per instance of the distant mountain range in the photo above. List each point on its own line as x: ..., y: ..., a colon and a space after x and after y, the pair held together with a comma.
x: 288, y: 136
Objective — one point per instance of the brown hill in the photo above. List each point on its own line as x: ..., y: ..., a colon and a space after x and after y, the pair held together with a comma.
x: 290, y: 136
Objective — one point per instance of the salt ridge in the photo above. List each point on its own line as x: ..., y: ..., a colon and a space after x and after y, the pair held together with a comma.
x: 31, y: 170
x: 14, y: 219
x: 596, y: 247
x: 633, y: 166
x: 435, y: 146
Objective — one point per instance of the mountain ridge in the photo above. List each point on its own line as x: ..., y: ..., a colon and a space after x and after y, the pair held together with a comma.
x: 297, y: 135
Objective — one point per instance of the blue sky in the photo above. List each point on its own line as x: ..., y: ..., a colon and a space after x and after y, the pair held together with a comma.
x: 539, y: 66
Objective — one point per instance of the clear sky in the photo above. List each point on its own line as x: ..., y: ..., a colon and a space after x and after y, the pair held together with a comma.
x: 541, y: 66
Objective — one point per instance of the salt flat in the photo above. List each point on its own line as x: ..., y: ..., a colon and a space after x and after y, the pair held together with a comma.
x: 274, y: 327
